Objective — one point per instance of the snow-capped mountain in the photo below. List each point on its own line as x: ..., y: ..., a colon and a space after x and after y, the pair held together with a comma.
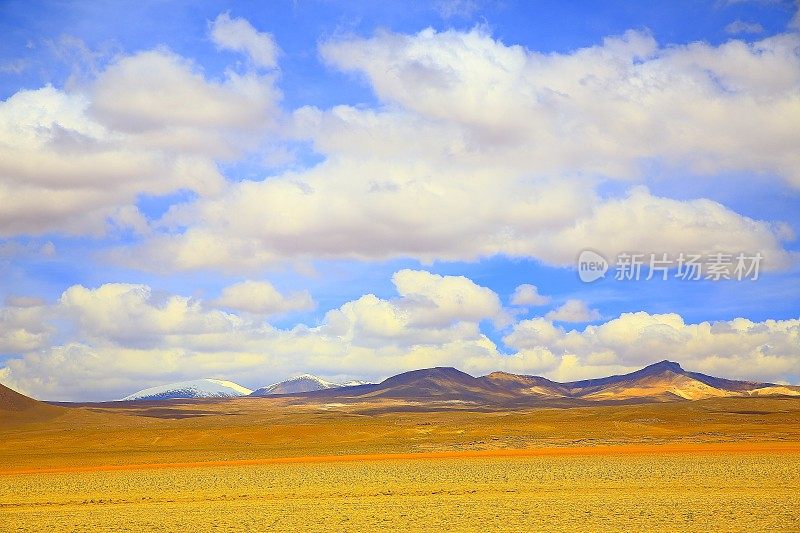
x: 304, y: 383
x: 355, y: 383
x: 198, y: 388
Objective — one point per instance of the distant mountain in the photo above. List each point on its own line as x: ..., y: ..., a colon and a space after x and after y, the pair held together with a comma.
x: 199, y: 388
x: 659, y: 382
x: 442, y: 383
x: 16, y: 407
x: 304, y: 383
x: 355, y: 383
x: 11, y: 400
x: 662, y: 381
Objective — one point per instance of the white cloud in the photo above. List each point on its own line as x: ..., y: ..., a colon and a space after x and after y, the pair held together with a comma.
x: 739, y: 348
x: 76, y: 161
x: 527, y: 294
x: 598, y: 109
x: 239, y: 35
x: 432, y: 300
x: 479, y: 148
x: 500, y: 151
x: 645, y: 223
x: 123, y: 337
x: 339, y: 212
x: 23, y: 326
x: 261, y: 297
x: 118, y: 338
x: 130, y: 314
x: 159, y: 90
x: 573, y: 311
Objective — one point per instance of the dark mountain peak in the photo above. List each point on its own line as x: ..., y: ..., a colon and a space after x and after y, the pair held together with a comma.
x: 648, y: 371
x: 662, y: 366
x: 444, y: 383
x: 437, y: 373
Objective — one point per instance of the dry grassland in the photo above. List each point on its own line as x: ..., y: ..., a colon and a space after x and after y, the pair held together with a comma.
x: 728, y: 465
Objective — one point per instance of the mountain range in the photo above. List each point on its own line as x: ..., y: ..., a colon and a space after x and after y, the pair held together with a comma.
x: 660, y: 382
x: 218, y: 388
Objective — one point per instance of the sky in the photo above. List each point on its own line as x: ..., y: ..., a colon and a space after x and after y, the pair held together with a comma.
x: 251, y: 191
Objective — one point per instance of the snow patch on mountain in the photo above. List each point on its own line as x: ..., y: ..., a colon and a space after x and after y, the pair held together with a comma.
x: 303, y: 383
x: 198, y: 388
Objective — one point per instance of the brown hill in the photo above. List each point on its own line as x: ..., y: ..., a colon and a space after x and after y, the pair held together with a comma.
x: 441, y: 383
x: 526, y: 385
x: 16, y: 406
x: 660, y: 382
x: 11, y: 400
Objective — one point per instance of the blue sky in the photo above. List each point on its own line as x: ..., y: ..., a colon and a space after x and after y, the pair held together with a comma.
x: 331, y: 145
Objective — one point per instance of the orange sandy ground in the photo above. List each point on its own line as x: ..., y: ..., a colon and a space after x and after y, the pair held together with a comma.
x: 600, y: 450
x: 717, y: 465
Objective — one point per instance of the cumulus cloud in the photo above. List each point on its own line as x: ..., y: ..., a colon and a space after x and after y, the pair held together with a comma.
x: 124, y: 336
x: 480, y: 148
x: 118, y: 338
x: 157, y: 90
x: 739, y: 348
x: 351, y: 218
x: 23, y: 325
x: 434, y: 300
x: 239, y: 35
x: 527, y: 294
x: 646, y: 223
x: 597, y: 109
x: 476, y: 148
x: 573, y: 310
x: 261, y: 297
x: 130, y: 314
x: 75, y: 161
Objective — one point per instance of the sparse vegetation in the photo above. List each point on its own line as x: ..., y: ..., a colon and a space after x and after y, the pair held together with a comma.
x: 704, y: 492
x: 721, y: 464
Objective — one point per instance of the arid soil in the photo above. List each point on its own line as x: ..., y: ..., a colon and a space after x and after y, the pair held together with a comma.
x: 728, y: 464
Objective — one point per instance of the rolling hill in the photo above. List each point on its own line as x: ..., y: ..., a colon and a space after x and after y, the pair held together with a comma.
x: 16, y: 406
x: 11, y: 400
x: 664, y: 381
x: 660, y: 382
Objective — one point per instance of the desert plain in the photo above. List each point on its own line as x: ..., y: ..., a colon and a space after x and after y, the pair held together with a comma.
x: 305, y: 464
